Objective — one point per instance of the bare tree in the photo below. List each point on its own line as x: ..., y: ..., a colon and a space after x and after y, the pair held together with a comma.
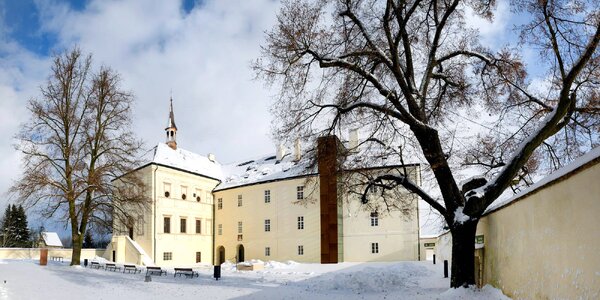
x: 410, y: 72
x: 77, y: 140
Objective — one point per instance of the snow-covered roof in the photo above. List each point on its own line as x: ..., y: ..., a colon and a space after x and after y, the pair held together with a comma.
x: 257, y: 170
x: 572, y: 167
x: 185, y: 160
x: 263, y: 169
x: 51, y: 239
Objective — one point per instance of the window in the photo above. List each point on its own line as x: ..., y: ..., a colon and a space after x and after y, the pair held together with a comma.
x: 167, y: 189
x: 267, y: 251
x: 140, y: 225
x: 220, y: 203
x: 301, y: 222
x: 182, y: 225
x: 198, y: 257
x: 167, y: 255
x: 197, y: 195
x: 300, y: 192
x: 220, y: 229
x: 267, y: 196
x: 267, y: 225
x: 183, y: 192
x: 374, y: 247
x: 240, y: 227
x: 300, y: 250
x: 167, y: 225
x: 198, y: 226
x: 374, y: 219
x: 239, y: 200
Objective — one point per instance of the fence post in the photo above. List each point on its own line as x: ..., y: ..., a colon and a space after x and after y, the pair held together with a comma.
x: 445, y: 268
x: 434, y: 259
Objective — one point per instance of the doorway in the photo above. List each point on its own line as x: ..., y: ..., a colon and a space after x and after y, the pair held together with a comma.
x: 240, y: 253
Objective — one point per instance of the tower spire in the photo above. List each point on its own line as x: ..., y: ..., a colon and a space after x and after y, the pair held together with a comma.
x: 171, y: 128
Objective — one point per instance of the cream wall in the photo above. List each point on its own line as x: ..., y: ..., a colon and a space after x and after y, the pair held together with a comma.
x: 546, y: 246
x: 397, y: 233
x: 424, y: 250
x: 34, y: 253
x: 283, y: 211
x: 183, y: 246
x: 149, y: 226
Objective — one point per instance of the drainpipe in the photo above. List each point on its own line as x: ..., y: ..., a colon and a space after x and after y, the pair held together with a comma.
x: 154, y: 215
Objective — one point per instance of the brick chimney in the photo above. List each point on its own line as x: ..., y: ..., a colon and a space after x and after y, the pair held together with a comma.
x: 329, y: 149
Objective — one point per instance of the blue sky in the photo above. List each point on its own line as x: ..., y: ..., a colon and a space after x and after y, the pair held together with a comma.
x: 21, y: 18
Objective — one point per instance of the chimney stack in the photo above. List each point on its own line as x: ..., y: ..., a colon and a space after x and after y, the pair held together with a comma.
x: 280, y: 152
x: 297, y: 150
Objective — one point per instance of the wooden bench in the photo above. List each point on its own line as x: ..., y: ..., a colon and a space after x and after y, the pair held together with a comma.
x: 111, y: 267
x: 155, y: 271
x: 188, y: 272
x: 131, y: 269
x: 57, y: 258
x: 96, y: 265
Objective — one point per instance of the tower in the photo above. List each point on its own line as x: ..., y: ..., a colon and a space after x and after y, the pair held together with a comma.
x: 171, y: 129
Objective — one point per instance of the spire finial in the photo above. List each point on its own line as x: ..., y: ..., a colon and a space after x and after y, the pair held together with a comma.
x: 171, y: 127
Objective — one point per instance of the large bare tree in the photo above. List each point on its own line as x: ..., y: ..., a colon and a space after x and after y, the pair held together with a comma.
x: 410, y: 75
x: 77, y: 140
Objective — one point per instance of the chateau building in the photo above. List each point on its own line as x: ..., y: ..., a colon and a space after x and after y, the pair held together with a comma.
x: 275, y: 207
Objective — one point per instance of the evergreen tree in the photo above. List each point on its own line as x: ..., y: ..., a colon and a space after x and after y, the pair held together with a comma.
x: 14, y: 231
x: 21, y: 227
x: 87, y: 241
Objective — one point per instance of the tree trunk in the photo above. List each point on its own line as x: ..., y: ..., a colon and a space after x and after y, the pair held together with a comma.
x: 76, y: 255
x: 463, y: 254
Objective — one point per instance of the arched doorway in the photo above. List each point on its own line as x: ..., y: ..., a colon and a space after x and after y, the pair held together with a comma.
x: 221, y: 255
x: 240, y: 253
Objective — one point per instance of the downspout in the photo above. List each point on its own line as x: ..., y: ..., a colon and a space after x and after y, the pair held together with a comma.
x: 212, y: 227
x: 154, y: 216
x: 418, y: 180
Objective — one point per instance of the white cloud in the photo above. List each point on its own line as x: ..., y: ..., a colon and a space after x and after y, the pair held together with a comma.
x: 203, y: 56
x: 493, y: 34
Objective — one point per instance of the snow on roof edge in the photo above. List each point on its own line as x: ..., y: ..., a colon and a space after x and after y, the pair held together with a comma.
x: 51, y: 239
x: 570, y: 168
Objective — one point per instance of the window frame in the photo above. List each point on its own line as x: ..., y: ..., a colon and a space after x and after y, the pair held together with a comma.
x: 267, y: 251
x: 166, y: 224
x: 375, y: 248
x: 267, y: 225
x: 267, y: 196
x: 220, y: 203
x: 240, y: 200
x: 167, y: 256
x: 300, y: 192
x: 300, y: 223
x: 198, y: 226
x: 182, y: 225
x: 300, y: 249
x: 374, y: 219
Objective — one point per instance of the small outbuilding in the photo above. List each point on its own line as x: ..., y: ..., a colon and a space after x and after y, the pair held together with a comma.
x: 50, y: 240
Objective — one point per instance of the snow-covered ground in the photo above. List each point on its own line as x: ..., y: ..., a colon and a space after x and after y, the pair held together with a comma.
x: 26, y: 279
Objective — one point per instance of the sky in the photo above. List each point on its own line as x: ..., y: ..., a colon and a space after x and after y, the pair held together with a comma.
x: 198, y: 51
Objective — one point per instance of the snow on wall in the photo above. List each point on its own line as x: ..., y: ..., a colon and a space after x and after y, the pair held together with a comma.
x: 574, y: 165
